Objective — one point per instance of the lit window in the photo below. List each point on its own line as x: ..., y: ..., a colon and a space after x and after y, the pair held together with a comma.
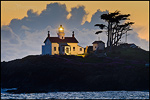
x: 67, y: 50
x: 73, y: 48
x: 54, y: 48
x: 80, y: 49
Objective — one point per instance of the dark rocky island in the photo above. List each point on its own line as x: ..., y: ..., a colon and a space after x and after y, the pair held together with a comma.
x: 37, y: 73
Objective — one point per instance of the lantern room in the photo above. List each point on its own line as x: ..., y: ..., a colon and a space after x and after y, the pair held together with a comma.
x: 61, y: 33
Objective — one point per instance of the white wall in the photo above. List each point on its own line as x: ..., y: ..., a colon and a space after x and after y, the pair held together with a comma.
x: 43, y: 49
x: 80, y: 52
x: 76, y: 48
x: 57, y: 50
x: 100, y: 45
x: 46, y: 49
x: 95, y: 46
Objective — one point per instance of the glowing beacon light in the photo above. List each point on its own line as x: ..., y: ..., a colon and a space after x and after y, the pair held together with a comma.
x: 61, y: 29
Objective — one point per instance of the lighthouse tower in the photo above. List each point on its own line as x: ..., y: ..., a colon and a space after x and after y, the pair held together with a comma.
x: 61, y: 33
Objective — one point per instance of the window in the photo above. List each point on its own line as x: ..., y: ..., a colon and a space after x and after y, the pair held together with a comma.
x: 80, y: 49
x: 54, y: 48
x: 73, y: 48
x: 67, y: 50
x: 58, y: 48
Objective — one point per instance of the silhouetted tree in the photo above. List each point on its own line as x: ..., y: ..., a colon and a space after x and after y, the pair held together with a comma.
x: 116, y: 26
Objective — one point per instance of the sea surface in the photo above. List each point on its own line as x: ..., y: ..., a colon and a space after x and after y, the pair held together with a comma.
x: 78, y: 95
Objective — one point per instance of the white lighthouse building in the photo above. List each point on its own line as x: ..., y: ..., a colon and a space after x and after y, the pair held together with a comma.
x: 61, y: 44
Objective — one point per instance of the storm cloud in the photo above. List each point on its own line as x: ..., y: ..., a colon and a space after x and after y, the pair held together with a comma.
x: 25, y: 36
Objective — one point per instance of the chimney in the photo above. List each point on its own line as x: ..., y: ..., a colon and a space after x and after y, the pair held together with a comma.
x: 73, y: 34
x: 48, y: 34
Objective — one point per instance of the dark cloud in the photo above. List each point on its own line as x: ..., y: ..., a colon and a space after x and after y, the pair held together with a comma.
x: 8, y: 35
x: 31, y: 14
x: 25, y: 36
x: 78, y: 13
x: 53, y: 15
x: 95, y: 20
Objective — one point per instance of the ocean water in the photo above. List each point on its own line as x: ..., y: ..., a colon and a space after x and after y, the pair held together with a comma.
x: 78, y: 95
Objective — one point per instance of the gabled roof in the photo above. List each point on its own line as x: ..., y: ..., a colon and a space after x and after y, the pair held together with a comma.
x: 58, y: 40
x: 98, y: 42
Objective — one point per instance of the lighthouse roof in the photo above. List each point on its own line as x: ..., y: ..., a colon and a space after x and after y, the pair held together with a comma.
x: 96, y: 42
x: 58, y: 40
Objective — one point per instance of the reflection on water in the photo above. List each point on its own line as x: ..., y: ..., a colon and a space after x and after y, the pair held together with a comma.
x: 6, y: 89
x: 78, y: 95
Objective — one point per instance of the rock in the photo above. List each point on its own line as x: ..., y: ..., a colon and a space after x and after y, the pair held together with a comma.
x: 71, y: 73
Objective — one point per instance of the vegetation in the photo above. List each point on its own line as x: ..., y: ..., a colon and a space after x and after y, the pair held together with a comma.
x: 115, y: 28
x: 118, y: 52
x: 137, y: 54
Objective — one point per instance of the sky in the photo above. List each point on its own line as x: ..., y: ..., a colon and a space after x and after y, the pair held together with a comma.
x: 24, y: 24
